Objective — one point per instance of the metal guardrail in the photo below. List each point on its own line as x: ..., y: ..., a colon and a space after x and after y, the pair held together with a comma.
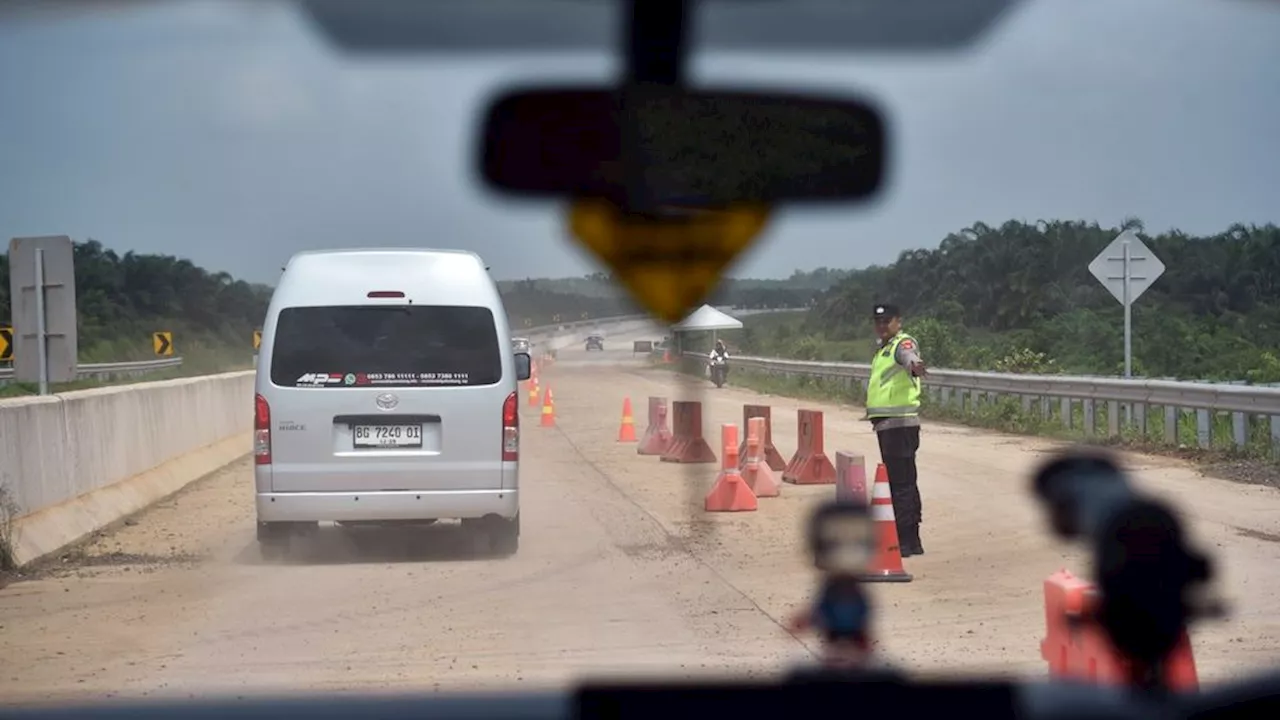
x: 108, y: 371
x: 139, y: 368
x: 1127, y: 402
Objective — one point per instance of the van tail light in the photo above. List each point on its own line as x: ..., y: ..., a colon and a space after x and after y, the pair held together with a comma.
x: 511, y: 429
x: 261, y: 431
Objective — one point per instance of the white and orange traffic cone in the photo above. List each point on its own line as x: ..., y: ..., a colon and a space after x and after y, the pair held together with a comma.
x: 627, y: 430
x: 886, y: 566
x: 548, y: 409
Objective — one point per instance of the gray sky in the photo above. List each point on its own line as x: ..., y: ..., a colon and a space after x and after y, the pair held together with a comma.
x: 235, y: 137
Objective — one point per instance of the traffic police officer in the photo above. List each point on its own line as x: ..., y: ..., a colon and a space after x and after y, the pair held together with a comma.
x: 893, y: 407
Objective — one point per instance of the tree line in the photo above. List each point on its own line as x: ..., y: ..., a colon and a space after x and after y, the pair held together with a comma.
x: 799, y: 290
x: 122, y: 298
x: 1019, y: 298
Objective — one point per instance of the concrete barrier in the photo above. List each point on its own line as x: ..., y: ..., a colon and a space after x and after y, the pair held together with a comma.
x: 74, y: 463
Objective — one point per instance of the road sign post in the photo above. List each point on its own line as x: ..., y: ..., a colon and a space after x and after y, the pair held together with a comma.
x: 1126, y: 268
x: 42, y: 287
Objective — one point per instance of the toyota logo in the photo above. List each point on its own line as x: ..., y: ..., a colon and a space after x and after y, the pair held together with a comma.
x: 387, y: 401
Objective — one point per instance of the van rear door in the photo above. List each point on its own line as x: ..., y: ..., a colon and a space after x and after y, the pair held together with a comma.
x: 387, y: 397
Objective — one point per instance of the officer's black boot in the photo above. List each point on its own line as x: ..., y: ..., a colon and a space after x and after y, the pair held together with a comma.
x: 909, y: 541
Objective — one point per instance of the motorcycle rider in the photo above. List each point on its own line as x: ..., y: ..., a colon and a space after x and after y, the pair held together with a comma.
x: 719, y: 355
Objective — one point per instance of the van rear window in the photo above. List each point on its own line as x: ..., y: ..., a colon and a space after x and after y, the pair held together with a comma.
x: 385, y: 346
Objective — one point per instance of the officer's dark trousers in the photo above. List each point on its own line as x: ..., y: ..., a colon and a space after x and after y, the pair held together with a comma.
x: 898, y: 448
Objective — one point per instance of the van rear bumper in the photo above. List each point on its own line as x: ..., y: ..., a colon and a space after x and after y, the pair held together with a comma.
x: 387, y: 505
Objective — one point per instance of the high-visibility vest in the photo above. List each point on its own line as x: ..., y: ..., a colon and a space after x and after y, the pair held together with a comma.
x: 892, y: 390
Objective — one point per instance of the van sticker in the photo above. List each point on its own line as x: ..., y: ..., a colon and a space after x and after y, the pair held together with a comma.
x: 419, y: 378
x: 319, y: 379
x: 395, y: 379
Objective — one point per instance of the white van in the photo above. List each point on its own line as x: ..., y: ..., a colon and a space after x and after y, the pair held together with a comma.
x: 386, y: 392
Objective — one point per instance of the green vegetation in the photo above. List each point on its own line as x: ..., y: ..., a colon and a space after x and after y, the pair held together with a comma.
x: 535, y: 302
x: 1019, y: 298
x: 601, y: 291
x: 122, y: 299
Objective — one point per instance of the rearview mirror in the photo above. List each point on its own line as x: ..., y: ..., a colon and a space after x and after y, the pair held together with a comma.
x: 524, y: 367
x: 679, y: 147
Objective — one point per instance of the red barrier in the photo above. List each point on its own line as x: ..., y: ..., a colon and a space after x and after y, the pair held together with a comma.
x: 687, y: 443
x: 772, y: 457
x: 810, y: 465
x: 657, y: 436
x: 851, y: 478
x: 1076, y: 648
x: 730, y: 492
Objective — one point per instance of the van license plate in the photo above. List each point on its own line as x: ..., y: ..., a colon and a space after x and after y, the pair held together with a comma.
x: 388, y: 436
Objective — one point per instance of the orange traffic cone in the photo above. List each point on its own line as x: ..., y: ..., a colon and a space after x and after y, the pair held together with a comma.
x: 758, y: 475
x: 627, y: 431
x: 549, y: 411
x: 730, y: 493
x: 533, y: 393
x: 887, y: 564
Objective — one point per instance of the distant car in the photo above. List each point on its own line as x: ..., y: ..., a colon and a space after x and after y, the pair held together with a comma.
x: 595, y: 342
x: 520, y: 345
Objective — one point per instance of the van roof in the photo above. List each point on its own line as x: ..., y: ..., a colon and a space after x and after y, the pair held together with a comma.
x: 341, y: 253
x: 427, y: 276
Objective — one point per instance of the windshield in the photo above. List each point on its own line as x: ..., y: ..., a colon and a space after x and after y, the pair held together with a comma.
x: 197, y: 513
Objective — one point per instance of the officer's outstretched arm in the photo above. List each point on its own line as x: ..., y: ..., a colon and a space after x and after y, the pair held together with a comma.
x: 908, y: 356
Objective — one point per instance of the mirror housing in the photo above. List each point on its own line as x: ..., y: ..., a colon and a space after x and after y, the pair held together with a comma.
x: 524, y: 366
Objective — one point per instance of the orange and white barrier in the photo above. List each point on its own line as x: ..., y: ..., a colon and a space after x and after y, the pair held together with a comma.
x: 758, y: 474
x: 730, y: 492
x: 772, y: 457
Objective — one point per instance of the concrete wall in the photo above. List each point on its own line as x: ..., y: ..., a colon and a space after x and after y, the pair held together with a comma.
x: 75, y: 462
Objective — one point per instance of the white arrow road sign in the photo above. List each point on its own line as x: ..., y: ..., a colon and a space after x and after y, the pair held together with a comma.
x: 1126, y: 261
x: 1126, y: 268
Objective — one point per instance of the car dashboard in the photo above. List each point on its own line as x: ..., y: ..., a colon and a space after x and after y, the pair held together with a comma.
x: 886, y: 696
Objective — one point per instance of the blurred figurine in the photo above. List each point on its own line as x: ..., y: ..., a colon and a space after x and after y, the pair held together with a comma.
x: 842, y: 540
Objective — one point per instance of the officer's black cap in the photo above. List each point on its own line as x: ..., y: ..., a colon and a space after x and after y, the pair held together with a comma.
x: 886, y: 310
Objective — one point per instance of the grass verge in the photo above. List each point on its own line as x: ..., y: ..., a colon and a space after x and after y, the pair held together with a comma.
x: 198, y: 360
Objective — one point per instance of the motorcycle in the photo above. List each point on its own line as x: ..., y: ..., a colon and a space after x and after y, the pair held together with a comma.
x: 719, y: 370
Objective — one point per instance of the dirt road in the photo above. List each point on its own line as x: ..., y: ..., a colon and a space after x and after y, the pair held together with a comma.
x: 619, y: 570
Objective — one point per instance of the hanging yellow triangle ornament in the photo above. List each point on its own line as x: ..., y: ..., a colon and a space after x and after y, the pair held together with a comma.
x: 670, y: 263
